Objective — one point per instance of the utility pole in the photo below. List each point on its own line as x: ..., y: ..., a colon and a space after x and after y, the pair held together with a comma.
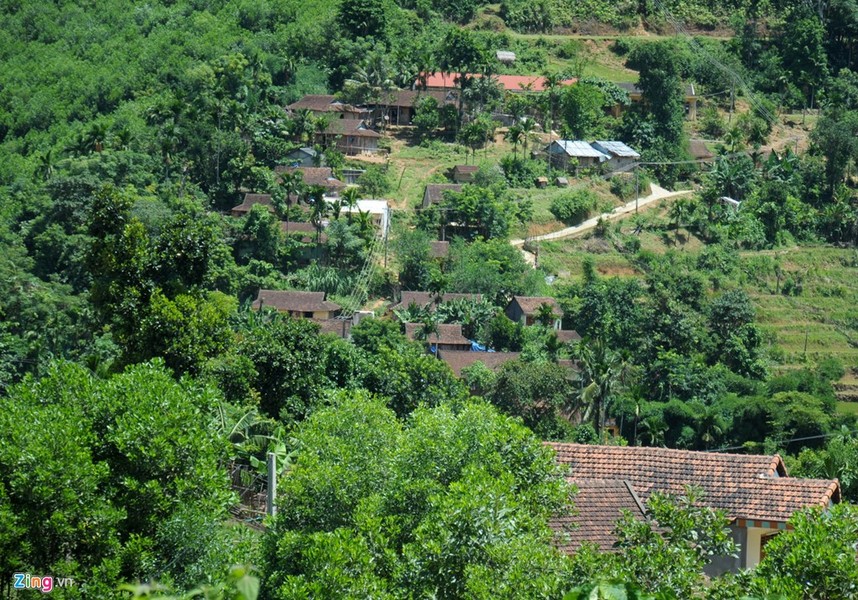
x: 271, y: 509
x: 637, y: 193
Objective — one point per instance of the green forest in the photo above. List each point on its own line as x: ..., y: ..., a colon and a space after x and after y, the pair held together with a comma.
x: 144, y: 384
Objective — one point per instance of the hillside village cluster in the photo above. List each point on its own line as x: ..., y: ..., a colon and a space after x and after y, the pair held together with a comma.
x: 754, y: 491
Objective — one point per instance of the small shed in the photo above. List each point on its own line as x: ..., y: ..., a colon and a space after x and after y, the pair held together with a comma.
x: 505, y: 57
x: 541, y: 182
x: 561, y: 182
x: 464, y: 173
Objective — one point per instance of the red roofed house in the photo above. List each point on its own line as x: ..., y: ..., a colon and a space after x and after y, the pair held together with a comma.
x: 304, y: 305
x: 754, y: 491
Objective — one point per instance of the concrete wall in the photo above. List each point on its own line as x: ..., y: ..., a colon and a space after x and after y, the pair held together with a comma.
x: 728, y: 564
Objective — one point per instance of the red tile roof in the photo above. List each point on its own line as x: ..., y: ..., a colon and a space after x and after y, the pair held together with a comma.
x: 597, y: 507
x: 338, y: 327
x: 428, y: 298
x: 566, y: 335
x: 744, y: 486
x: 408, y: 98
x: 511, y: 83
x: 294, y: 301
x: 530, y: 304
x: 448, y: 333
x: 353, y: 127
x: 248, y: 202
x: 434, y: 192
x: 322, y: 103
x: 322, y: 176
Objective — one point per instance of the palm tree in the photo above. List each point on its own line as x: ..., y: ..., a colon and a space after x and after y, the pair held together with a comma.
x: 375, y: 80
x: 528, y: 126
x: 710, y: 425
x: 545, y: 315
x: 428, y: 326
x: 349, y: 200
x: 601, y: 378
x: 46, y: 165
x: 514, y: 135
x: 319, y: 210
x: 653, y: 429
x: 291, y: 186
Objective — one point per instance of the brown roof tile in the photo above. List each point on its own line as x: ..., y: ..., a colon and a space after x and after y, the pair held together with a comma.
x: 460, y: 359
x: 322, y: 103
x: 434, y: 193
x: 744, y: 486
x: 567, y: 335
x: 339, y: 327
x: 251, y: 199
x: 598, y: 505
x: 322, y: 176
x: 294, y: 301
x: 448, y: 333
x: 355, y: 127
x: 530, y: 304
x: 428, y: 298
x: 439, y: 249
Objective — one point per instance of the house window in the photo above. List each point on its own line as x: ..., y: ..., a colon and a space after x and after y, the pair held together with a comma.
x: 308, y: 314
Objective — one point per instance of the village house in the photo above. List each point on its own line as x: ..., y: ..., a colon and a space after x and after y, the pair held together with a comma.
x: 754, y: 491
x: 302, y: 157
x: 464, y: 173
x: 302, y: 305
x: 315, y: 176
x: 441, y: 81
x: 448, y: 337
x: 430, y: 300
x: 351, y: 137
x: 434, y: 192
x: 525, y: 310
x: 378, y: 209
x: 250, y: 200
x: 323, y: 105
x: 636, y: 95
x: 439, y: 250
x: 398, y: 107
x: 574, y: 155
x: 461, y: 359
x: 620, y: 156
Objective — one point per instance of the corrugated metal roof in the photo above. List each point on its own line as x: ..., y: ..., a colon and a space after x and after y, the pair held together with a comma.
x: 579, y: 148
x: 616, y: 148
x: 505, y: 55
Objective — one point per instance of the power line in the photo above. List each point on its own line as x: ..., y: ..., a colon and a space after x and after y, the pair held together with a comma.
x: 790, y: 440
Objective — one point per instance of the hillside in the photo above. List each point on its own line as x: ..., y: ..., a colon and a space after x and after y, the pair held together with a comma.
x: 277, y: 319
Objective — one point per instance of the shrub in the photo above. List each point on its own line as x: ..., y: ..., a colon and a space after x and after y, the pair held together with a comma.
x: 573, y: 207
x: 521, y: 172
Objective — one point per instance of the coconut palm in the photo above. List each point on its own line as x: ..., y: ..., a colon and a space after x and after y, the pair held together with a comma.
x: 514, y: 136
x: 602, y: 377
x: 349, y: 200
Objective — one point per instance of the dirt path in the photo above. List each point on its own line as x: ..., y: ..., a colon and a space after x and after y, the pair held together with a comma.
x: 658, y: 193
